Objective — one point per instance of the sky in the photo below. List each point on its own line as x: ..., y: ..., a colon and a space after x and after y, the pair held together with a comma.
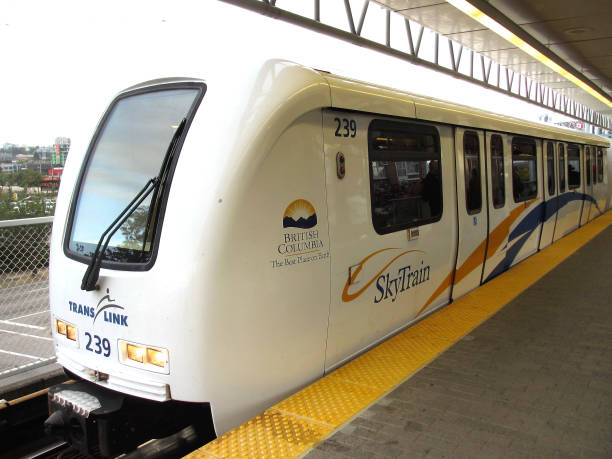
x: 64, y: 60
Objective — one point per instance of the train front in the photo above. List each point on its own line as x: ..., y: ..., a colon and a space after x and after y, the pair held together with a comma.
x: 112, y: 319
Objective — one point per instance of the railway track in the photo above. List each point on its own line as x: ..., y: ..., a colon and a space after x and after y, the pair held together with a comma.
x: 22, y: 432
x: 58, y: 449
x: 22, y: 435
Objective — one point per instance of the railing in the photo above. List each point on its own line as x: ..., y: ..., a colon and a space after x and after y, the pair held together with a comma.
x: 25, y: 325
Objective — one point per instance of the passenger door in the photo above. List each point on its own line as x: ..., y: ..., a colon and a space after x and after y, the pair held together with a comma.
x: 570, y: 205
x: 599, y: 185
x: 563, y: 196
x: 471, y: 210
x: 499, y: 202
x: 392, y: 249
x: 527, y: 197
x: 550, y: 192
x: 588, y: 185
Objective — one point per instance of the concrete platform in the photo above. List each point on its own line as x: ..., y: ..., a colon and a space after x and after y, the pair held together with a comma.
x: 535, y: 380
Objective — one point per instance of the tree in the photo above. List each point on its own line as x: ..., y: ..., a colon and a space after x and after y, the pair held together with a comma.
x: 30, y: 178
x: 134, y: 228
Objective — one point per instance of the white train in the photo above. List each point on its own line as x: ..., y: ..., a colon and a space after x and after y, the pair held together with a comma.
x: 269, y: 237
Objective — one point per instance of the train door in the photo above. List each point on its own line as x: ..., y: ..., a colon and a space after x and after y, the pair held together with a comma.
x: 471, y: 210
x: 527, y: 193
x: 599, y: 187
x: 587, y: 186
x: 564, y: 224
x: 607, y: 178
x: 550, y: 193
x: 591, y: 182
x: 498, y: 165
x: 392, y: 224
x: 575, y: 185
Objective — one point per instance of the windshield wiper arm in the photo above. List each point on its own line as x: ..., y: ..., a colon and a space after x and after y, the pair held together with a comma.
x: 90, y: 279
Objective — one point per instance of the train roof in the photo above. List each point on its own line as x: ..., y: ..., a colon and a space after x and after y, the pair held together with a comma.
x: 357, y: 95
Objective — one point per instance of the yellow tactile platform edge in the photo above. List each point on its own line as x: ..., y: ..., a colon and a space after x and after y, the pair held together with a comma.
x: 293, y: 426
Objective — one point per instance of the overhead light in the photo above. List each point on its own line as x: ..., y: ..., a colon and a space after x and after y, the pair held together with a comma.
x: 503, y: 32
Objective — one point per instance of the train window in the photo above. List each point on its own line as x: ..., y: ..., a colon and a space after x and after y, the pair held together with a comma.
x: 550, y: 166
x: 131, y: 148
x: 600, y: 176
x: 471, y: 162
x: 587, y: 158
x: 497, y: 171
x: 573, y: 166
x: 524, y: 169
x: 405, y: 175
x: 561, y: 168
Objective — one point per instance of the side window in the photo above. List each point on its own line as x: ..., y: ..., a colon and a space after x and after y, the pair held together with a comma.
x: 471, y: 159
x: 600, y: 168
x: 587, y: 157
x: 561, y: 168
x: 573, y: 166
x: 524, y: 169
x: 405, y: 175
x: 498, y: 184
x: 550, y: 166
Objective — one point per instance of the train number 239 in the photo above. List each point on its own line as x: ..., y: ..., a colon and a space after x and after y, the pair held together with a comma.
x: 97, y: 344
x: 345, y: 127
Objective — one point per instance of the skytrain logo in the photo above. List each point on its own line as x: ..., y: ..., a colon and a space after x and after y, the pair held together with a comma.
x: 107, y: 310
x: 389, y: 284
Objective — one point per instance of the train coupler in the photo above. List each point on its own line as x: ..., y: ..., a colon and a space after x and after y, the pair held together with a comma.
x: 101, y: 422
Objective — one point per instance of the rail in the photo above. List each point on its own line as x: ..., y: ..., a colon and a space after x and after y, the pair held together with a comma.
x: 25, y: 325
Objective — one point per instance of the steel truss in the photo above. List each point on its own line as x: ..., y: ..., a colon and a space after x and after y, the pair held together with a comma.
x: 504, y: 80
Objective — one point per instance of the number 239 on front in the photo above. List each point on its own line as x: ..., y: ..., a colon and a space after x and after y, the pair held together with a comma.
x: 97, y: 344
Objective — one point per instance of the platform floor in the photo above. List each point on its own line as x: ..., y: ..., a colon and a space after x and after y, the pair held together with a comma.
x: 520, y: 367
x: 535, y: 380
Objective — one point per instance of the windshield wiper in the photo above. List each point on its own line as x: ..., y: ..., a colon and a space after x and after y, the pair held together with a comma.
x: 90, y: 279
x: 92, y: 274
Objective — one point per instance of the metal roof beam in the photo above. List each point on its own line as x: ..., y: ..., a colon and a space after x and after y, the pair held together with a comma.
x: 566, y: 106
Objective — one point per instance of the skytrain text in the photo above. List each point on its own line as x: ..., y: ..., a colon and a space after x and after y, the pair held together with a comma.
x: 391, y: 287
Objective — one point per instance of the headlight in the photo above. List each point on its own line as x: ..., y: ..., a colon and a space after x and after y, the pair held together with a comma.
x: 135, y: 353
x: 71, y: 332
x: 142, y: 356
x: 66, y: 329
x: 157, y: 357
x: 60, y: 326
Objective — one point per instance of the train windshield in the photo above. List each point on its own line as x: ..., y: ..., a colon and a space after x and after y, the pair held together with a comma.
x: 134, y: 144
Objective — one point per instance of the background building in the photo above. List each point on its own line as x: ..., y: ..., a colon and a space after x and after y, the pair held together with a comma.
x: 62, y: 146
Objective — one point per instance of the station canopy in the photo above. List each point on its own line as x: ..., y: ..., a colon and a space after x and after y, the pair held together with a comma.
x: 554, y: 53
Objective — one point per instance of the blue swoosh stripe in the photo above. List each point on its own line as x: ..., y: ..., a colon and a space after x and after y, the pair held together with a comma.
x: 532, y: 220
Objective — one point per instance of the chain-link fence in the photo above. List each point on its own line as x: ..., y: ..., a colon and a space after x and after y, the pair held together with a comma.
x: 25, y: 325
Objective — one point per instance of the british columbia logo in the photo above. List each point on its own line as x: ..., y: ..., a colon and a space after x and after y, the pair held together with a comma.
x: 298, y: 246
x: 106, y: 309
x: 300, y: 214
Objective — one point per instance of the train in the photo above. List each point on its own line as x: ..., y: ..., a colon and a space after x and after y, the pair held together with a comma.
x: 223, y: 242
